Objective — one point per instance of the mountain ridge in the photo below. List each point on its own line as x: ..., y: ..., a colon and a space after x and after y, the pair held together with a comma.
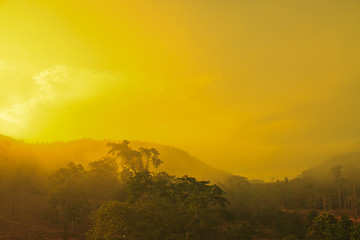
x: 349, y: 163
x: 52, y: 156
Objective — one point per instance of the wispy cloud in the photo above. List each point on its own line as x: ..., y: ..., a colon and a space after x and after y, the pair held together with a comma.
x: 54, y: 87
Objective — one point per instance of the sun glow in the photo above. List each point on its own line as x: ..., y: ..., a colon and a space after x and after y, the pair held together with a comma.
x: 248, y: 87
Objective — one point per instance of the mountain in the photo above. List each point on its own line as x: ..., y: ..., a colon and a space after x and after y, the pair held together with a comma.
x: 350, y: 164
x: 51, y: 156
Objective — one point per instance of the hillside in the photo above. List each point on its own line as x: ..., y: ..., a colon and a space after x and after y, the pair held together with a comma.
x: 51, y: 156
x: 350, y: 163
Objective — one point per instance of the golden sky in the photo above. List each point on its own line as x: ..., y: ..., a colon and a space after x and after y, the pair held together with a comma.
x: 256, y: 87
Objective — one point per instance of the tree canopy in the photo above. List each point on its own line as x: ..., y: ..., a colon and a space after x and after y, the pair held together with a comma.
x: 162, y: 207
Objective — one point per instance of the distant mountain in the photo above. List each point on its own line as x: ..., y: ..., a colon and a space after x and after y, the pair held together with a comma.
x: 350, y: 163
x: 51, y: 156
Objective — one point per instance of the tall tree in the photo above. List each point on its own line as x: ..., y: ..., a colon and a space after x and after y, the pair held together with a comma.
x: 338, y: 179
x: 353, y: 177
x: 67, y: 194
x: 151, y: 155
x: 134, y: 160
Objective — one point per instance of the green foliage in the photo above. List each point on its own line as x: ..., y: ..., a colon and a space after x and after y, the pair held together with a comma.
x: 190, y: 192
x: 162, y: 207
x: 324, y: 226
x: 344, y: 228
x: 355, y: 232
x: 114, y: 220
x: 119, y: 220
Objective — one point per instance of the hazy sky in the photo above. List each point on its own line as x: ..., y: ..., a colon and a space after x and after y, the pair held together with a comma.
x: 256, y: 87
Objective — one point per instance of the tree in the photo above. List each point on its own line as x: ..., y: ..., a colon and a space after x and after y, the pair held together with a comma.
x: 238, y: 189
x: 162, y: 207
x: 151, y: 155
x: 355, y: 232
x: 130, y: 159
x: 354, y: 179
x: 67, y: 194
x: 200, y: 204
x: 324, y: 226
x: 336, y: 171
x: 114, y: 220
x: 345, y: 228
x: 103, y: 178
x: 134, y: 160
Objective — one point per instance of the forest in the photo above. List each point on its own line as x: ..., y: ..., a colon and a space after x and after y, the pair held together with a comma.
x: 180, y: 120
x: 127, y: 195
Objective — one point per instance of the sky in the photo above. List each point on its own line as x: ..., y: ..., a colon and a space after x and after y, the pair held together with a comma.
x: 259, y: 88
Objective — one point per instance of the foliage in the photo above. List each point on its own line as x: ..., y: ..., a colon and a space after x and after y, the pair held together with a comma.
x: 162, y: 207
x: 67, y: 194
x: 284, y: 223
x: 134, y: 160
x: 344, y: 228
x: 324, y: 226
x: 240, y: 195
x: 355, y: 232
x: 103, y: 178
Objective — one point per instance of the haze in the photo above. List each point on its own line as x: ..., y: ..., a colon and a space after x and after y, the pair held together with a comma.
x: 258, y: 88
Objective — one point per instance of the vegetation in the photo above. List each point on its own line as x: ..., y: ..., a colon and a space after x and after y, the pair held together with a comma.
x: 327, y: 226
x: 162, y: 207
x: 67, y: 194
x: 127, y: 195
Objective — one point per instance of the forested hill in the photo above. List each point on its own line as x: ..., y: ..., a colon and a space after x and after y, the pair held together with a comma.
x: 51, y: 156
x: 348, y: 164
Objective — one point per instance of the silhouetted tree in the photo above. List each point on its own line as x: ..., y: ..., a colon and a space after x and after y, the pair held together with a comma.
x: 134, y: 160
x: 67, y: 193
x: 151, y: 155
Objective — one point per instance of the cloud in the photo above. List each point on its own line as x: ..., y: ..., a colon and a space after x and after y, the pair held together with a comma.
x: 55, y: 87
x: 66, y: 102
x: 60, y: 84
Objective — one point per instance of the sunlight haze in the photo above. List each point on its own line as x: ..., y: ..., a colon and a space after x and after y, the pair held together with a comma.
x: 257, y: 88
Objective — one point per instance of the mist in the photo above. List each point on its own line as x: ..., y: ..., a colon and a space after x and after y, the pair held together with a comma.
x: 216, y: 120
x: 275, y: 86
